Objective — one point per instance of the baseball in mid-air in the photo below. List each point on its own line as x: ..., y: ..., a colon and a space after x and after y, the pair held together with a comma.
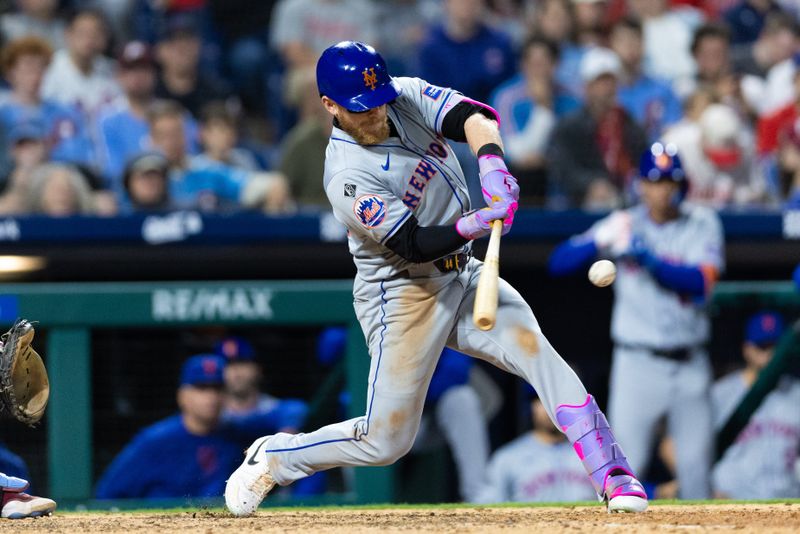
x: 602, y: 273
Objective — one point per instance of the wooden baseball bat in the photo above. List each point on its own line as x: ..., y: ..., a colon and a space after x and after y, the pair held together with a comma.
x: 484, y: 313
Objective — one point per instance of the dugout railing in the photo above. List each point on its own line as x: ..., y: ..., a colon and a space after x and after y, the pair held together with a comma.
x: 70, y: 311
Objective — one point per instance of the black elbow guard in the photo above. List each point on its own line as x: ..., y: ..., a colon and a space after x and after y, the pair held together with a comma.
x: 453, y: 122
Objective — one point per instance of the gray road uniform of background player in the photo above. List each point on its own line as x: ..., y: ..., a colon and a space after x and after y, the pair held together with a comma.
x: 760, y: 463
x: 660, y: 366
x: 409, y: 311
x: 529, y: 470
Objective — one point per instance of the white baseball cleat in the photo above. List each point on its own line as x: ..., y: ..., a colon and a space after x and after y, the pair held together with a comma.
x: 251, y: 482
x: 625, y: 493
x: 627, y: 503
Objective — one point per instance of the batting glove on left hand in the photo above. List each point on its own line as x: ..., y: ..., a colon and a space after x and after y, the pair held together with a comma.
x: 497, y: 184
x: 478, y: 223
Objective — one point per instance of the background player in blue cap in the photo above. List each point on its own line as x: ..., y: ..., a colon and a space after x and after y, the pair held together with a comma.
x: 760, y: 464
x: 670, y: 254
x: 186, y: 455
x: 243, y: 396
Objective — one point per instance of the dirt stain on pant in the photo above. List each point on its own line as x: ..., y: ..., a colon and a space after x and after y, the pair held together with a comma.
x: 526, y: 339
x: 397, y: 423
x: 412, y: 314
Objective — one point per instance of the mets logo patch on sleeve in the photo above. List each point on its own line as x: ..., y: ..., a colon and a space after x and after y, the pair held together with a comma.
x: 433, y: 92
x: 370, y: 210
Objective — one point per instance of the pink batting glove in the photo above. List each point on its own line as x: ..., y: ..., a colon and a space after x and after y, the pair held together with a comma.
x: 497, y: 183
x: 477, y: 224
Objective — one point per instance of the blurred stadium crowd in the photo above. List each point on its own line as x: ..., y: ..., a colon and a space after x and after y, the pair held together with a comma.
x: 114, y: 106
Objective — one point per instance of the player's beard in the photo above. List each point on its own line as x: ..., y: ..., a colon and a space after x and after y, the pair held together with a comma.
x: 371, y: 135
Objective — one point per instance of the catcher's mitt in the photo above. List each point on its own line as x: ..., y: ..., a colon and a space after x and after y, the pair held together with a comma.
x: 24, y: 387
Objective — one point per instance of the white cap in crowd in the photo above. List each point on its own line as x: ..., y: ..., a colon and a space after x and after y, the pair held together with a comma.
x: 599, y: 61
x: 721, y: 129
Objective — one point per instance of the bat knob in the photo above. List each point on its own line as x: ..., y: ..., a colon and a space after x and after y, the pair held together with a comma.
x: 484, y: 323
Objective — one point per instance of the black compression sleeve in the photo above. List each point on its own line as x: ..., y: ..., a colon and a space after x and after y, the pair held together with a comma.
x: 420, y: 244
x: 490, y: 149
x: 453, y: 122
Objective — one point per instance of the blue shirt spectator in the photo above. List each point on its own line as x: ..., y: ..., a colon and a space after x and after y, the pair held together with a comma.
x: 465, y: 54
x: 747, y: 19
x: 194, y: 183
x: 516, y: 99
x: 650, y: 102
x: 517, y: 106
x: 219, y: 136
x: 123, y: 135
x: 122, y: 130
x: 207, y: 185
x: 24, y: 63
x: 64, y: 132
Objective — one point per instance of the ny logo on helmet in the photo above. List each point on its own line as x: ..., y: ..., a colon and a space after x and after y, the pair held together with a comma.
x: 370, y: 78
x: 663, y: 161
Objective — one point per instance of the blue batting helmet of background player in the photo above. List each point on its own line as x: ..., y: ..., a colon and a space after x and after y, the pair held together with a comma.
x: 661, y: 162
x: 354, y: 75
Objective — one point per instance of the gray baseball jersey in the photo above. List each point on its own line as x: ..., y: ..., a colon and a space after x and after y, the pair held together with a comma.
x: 647, y: 314
x: 409, y: 312
x: 375, y: 189
x: 530, y: 470
x: 760, y: 463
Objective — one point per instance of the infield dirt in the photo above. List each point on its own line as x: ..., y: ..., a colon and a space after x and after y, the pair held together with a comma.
x: 739, y: 518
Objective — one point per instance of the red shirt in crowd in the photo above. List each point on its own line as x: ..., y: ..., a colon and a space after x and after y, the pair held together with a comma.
x: 772, y: 128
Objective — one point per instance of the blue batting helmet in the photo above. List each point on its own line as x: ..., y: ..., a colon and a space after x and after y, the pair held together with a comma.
x: 354, y: 75
x: 661, y: 162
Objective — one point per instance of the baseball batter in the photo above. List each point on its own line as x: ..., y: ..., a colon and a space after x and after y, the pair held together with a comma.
x: 670, y: 254
x: 393, y: 180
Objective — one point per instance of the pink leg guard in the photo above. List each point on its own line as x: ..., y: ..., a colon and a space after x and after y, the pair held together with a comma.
x: 587, y: 429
